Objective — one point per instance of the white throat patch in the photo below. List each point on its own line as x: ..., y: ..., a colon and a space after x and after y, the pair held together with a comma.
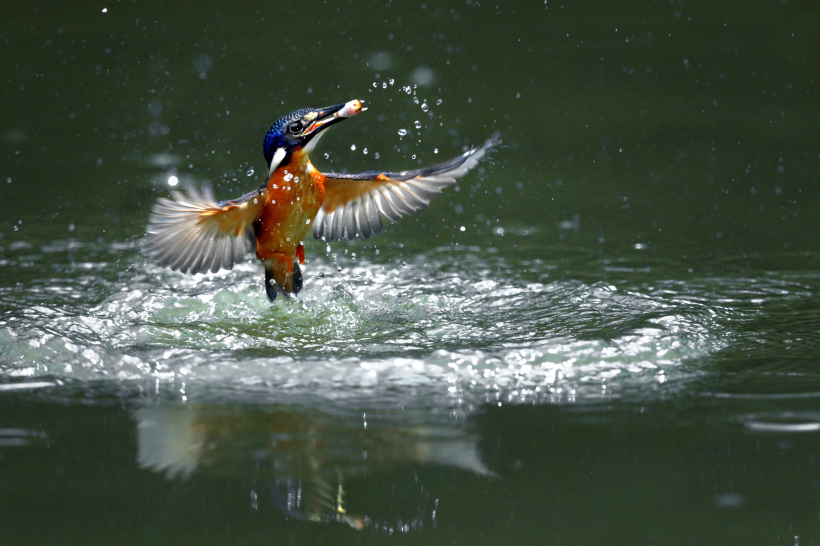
x: 313, y: 141
x: 277, y: 159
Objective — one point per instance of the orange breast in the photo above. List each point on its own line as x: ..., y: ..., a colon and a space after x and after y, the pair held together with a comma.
x: 296, y: 192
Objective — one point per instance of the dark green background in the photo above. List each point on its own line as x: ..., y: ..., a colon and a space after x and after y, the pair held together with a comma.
x: 669, y: 150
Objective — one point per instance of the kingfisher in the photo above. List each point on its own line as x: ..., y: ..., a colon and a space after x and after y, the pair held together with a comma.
x: 193, y: 233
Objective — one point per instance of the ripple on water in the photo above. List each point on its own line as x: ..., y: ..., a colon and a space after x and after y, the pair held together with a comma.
x: 442, y: 325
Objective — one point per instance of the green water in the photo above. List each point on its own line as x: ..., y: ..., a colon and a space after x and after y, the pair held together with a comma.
x: 607, y: 334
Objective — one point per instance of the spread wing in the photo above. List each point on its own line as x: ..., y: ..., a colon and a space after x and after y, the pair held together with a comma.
x: 193, y: 233
x: 354, y: 203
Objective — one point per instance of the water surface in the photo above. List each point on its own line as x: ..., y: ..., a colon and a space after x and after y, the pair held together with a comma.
x: 607, y: 334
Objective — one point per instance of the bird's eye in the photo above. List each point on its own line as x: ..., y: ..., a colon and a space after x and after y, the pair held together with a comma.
x: 295, y: 127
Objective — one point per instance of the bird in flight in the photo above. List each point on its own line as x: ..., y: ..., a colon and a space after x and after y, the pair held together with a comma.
x: 193, y: 233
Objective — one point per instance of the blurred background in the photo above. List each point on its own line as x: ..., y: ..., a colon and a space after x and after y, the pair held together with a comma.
x: 607, y: 333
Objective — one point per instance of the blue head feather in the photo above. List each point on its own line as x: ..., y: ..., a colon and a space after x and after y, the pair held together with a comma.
x: 277, y: 136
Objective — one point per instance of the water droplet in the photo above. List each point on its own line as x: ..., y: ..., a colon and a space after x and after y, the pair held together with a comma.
x: 375, y: 84
x: 255, y: 201
x: 424, y: 107
x: 402, y: 132
x: 435, y: 150
x: 365, y: 151
x: 307, y: 221
x: 439, y: 101
x: 377, y: 155
x: 296, y: 179
x: 384, y: 85
x: 353, y: 147
x: 417, y: 124
x: 380, y: 60
x: 173, y: 180
x: 287, y: 178
x: 413, y: 156
x: 422, y: 76
x: 327, y: 155
x: 407, y: 89
x: 250, y: 172
x: 275, y: 186
x: 392, y: 81
x: 463, y: 228
x: 415, y: 100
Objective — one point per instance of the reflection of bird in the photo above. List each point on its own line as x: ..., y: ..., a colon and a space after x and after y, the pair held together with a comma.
x: 305, y: 455
x: 195, y: 234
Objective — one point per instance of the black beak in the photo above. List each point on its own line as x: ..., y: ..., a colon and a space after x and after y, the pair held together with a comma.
x: 331, y: 115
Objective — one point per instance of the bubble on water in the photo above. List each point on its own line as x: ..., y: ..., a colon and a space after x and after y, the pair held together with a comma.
x: 327, y: 155
x: 288, y: 177
x: 413, y: 156
x: 380, y: 60
x: 435, y: 150
x: 203, y: 63
x: 384, y: 85
x: 375, y: 84
x: 407, y: 89
x: 364, y: 151
x: 415, y: 100
x: 422, y: 76
x: 250, y: 172
x: 402, y: 132
x: 173, y: 180
x: 417, y: 124
x: 391, y: 81
x: 353, y: 147
x: 424, y: 107
x: 439, y: 101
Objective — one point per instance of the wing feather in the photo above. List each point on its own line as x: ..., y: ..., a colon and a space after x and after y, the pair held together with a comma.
x: 319, y: 225
x: 354, y: 203
x: 362, y: 221
x: 385, y: 206
x: 374, y: 219
x: 193, y: 233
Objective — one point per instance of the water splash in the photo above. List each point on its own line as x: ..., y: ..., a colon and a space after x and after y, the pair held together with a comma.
x: 456, y: 333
